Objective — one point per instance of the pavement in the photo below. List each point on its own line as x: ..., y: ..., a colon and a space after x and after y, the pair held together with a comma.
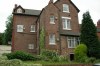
x: 5, y: 49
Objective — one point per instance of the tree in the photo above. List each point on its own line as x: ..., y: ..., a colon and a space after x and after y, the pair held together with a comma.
x: 81, y: 53
x: 8, y: 32
x: 42, y: 39
x: 0, y: 38
x: 89, y: 36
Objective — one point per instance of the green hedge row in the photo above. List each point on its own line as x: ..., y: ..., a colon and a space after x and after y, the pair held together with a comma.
x: 21, y: 55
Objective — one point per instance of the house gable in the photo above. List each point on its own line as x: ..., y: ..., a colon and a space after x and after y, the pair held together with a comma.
x: 70, y: 2
x: 18, y: 9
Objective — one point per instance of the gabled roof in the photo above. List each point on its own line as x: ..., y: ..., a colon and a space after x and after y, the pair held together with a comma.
x: 27, y: 11
x: 74, y: 6
x: 32, y: 12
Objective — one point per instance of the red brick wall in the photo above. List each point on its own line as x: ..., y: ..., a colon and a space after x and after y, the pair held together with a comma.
x: 50, y: 28
x: 71, y: 65
x: 74, y: 24
x: 21, y: 40
x: 73, y: 14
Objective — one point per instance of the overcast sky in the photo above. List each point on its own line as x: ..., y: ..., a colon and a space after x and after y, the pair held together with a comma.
x: 6, y: 7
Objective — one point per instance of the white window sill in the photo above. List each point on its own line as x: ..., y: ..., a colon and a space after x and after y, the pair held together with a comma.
x: 66, y: 11
x: 71, y: 47
x: 32, y: 31
x: 30, y: 49
x: 19, y: 32
x: 66, y: 29
x: 52, y: 23
x: 52, y: 44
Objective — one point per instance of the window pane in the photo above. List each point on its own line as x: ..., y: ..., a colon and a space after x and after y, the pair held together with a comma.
x: 19, y: 28
x: 52, y: 19
x: 19, y: 10
x: 72, y: 42
x: 32, y: 28
x: 52, y: 39
x: 68, y: 24
x: 65, y: 8
x: 31, y: 46
x: 64, y: 23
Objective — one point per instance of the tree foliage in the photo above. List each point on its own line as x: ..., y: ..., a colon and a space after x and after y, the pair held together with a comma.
x: 0, y: 38
x: 89, y: 36
x: 81, y: 53
x: 42, y: 40
x: 8, y: 32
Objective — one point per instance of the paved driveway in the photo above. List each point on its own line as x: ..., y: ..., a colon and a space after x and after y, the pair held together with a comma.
x: 5, y: 49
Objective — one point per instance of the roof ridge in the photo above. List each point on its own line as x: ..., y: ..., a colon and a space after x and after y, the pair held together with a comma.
x: 32, y: 9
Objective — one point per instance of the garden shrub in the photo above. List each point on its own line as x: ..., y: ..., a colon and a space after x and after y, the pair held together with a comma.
x: 48, y: 54
x: 81, y: 53
x: 90, y: 60
x: 14, y: 62
x: 55, y: 59
x: 3, y: 58
x: 21, y: 55
x: 63, y: 58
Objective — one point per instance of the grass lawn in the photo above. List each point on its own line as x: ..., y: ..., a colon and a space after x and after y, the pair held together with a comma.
x: 48, y: 62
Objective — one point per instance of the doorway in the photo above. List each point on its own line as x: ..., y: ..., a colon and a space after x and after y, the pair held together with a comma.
x: 71, y: 56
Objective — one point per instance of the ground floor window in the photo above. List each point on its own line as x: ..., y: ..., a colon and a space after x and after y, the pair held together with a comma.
x: 52, y: 39
x: 73, y: 41
x: 31, y: 46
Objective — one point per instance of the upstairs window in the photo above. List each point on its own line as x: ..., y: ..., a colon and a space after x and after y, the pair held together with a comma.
x: 52, y: 39
x: 20, y: 28
x: 19, y: 10
x: 32, y: 28
x: 66, y: 23
x: 52, y: 19
x: 65, y: 8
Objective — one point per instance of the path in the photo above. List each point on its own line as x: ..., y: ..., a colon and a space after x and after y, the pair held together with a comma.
x: 5, y: 49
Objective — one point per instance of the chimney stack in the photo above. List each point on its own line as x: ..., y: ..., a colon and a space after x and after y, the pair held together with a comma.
x: 98, y: 24
x: 15, y: 5
x: 51, y: 1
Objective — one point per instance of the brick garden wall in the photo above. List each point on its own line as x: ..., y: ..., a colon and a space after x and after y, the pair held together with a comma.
x: 71, y: 65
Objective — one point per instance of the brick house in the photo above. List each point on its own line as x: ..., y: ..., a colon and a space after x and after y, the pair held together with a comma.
x: 60, y: 22
x: 98, y: 29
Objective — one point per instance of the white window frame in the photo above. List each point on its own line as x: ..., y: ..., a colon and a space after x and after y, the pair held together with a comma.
x: 30, y: 46
x: 52, y: 40
x: 32, y: 29
x: 72, y: 41
x: 67, y: 8
x: 19, y: 10
x: 52, y: 19
x: 67, y: 20
x: 20, y: 28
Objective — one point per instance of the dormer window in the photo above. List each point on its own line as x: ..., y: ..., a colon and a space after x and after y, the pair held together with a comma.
x: 65, y: 8
x: 19, y: 10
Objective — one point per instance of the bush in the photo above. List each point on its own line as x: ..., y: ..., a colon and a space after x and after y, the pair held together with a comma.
x: 14, y: 62
x: 81, y: 53
x: 90, y: 60
x: 55, y: 59
x: 48, y: 54
x: 63, y: 58
x: 3, y: 58
x: 21, y: 55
